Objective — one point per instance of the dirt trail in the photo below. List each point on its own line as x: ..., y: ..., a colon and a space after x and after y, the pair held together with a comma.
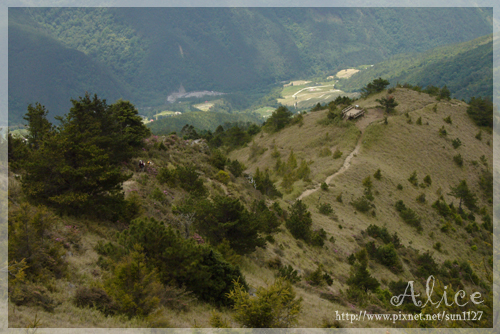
x: 345, y: 166
x: 371, y: 117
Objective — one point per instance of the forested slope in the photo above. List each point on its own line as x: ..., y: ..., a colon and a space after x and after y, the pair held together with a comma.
x: 466, y: 69
x: 151, y: 52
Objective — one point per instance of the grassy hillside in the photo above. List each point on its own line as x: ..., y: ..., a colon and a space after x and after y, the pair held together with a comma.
x: 466, y: 69
x: 410, y: 141
x: 153, y: 51
x: 397, y: 149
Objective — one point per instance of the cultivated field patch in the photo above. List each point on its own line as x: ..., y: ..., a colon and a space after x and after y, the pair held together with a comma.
x: 344, y: 74
x: 265, y: 111
x: 204, y: 106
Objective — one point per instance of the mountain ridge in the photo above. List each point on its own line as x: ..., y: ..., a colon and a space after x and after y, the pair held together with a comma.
x: 150, y: 52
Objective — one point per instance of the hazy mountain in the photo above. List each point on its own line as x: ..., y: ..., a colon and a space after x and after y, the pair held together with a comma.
x: 145, y: 54
x: 42, y: 69
x: 466, y: 69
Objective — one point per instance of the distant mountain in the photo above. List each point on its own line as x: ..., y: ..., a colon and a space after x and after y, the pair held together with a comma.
x: 42, y: 69
x: 466, y: 69
x: 145, y: 54
x: 200, y: 120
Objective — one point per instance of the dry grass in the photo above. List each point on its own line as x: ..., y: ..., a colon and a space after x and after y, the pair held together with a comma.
x: 204, y: 106
x: 306, y: 142
x: 345, y: 74
x: 397, y: 149
x: 400, y: 148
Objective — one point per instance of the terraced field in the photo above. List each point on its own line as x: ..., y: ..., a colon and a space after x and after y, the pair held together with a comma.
x: 305, y: 96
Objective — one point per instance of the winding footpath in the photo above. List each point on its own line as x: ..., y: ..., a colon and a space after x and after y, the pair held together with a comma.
x: 345, y: 166
x: 369, y: 118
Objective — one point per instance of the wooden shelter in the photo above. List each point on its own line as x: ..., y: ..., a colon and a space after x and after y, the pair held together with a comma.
x: 352, y: 112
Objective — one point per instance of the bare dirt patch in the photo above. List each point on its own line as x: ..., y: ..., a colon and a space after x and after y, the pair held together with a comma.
x: 370, y: 116
x: 344, y: 74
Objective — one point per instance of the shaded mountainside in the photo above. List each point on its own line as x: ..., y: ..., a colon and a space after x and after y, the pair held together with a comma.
x: 148, y: 53
x: 414, y: 199
x: 199, y: 120
x: 466, y: 69
x: 42, y: 69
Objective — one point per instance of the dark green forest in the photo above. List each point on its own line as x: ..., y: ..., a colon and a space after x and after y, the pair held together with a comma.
x: 200, y: 120
x: 42, y: 69
x: 145, y: 54
x: 466, y: 69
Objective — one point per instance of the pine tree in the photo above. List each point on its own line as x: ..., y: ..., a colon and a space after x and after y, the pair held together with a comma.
x: 38, y: 125
x: 462, y: 192
x: 279, y: 119
x: 360, y: 276
x: 75, y: 167
x: 134, y: 285
x: 388, y: 103
x: 291, y: 163
x: 373, y: 87
x: 181, y: 261
x: 227, y: 218
x: 273, y: 307
x: 444, y: 93
x: 299, y: 221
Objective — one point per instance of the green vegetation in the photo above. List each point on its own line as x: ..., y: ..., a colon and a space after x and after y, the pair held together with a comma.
x: 362, y: 204
x: 465, y: 196
x: 274, y: 307
x: 456, y: 143
x: 325, y: 209
x: 278, y: 120
x: 41, y: 256
x: 374, y: 87
x: 195, y: 222
x: 421, y: 198
x: 299, y: 221
x: 185, y: 177
x: 413, y: 179
x: 481, y: 111
x: 75, y: 167
x: 226, y: 218
x: 265, y: 185
x: 453, y: 67
x: 458, y: 160
x: 360, y: 277
x: 408, y: 215
x: 388, y: 104
x: 146, y: 54
x: 442, y: 131
x: 135, y: 288
x: 200, y: 120
x: 182, y: 261
x: 383, y: 234
x: 388, y: 256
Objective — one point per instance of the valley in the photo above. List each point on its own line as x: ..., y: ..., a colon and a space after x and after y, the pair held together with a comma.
x: 250, y: 168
